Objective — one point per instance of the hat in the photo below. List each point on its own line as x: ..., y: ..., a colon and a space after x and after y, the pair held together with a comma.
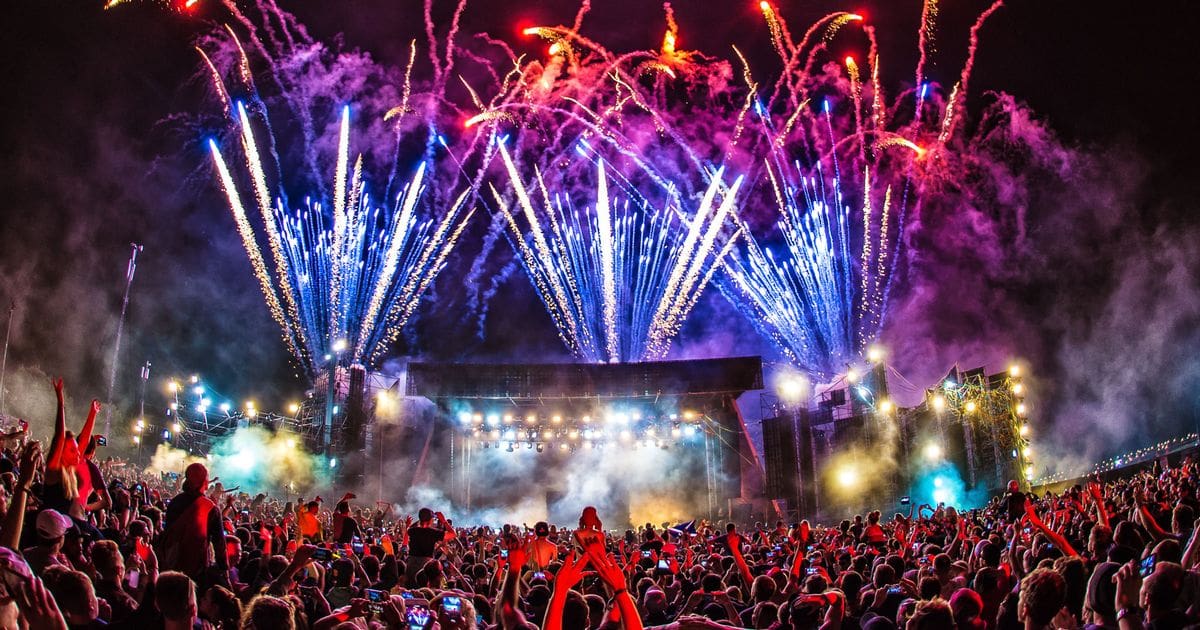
x: 52, y: 524
x: 195, y: 476
x: 541, y: 528
x: 1101, y: 592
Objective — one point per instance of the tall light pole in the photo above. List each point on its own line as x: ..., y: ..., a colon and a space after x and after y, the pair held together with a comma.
x: 4, y: 363
x: 130, y: 269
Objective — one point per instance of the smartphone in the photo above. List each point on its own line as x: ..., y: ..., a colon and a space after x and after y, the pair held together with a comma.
x: 645, y: 554
x: 101, y: 441
x: 1147, y: 566
x: 895, y: 590
x: 770, y: 555
x: 924, y: 559
x: 810, y: 571
x: 539, y: 575
x: 452, y: 606
x: 504, y: 553
x: 663, y: 566
x: 417, y: 616
x: 133, y: 577
x: 376, y: 598
x: 322, y: 555
x: 357, y: 547
x: 407, y: 595
x: 905, y: 500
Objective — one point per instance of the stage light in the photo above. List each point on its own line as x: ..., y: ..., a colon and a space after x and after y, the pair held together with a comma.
x: 941, y: 494
x: 687, y: 415
x: 949, y: 384
x: 573, y: 434
x: 1018, y: 388
x: 198, y: 390
x: 587, y: 433
x: 137, y: 439
x: 328, y: 356
x: 293, y: 408
x: 495, y: 434
x: 172, y: 387
x: 174, y: 406
x: 166, y: 435
x: 204, y: 402
x: 562, y: 446
x: 689, y: 430
x: 863, y: 392
x: 847, y: 477
x: 676, y: 432
x: 587, y: 445
x: 1028, y: 452
x: 875, y: 352
x: 933, y: 451
x: 291, y: 442
x: 253, y: 413
x: 939, y: 403
x: 1024, y: 430
x: 623, y: 418
x: 587, y: 419
x: 333, y: 462
x: 885, y: 406
x: 530, y: 419
x: 637, y: 416
x: 1014, y: 453
x: 176, y: 427
x: 494, y: 419
x: 674, y: 416
x: 339, y: 346
x: 195, y: 379
x: 792, y: 388
x: 202, y: 408
x: 1014, y: 370
x: 1029, y: 472
x: 625, y: 434
x: 970, y: 407
x: 547, y: 434
x: 464, y: 418
x: 510, y: 435
x: 851, y: 375
x: 556, y: 419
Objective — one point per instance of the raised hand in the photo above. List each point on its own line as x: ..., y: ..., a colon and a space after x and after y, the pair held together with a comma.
x: 571, y: 572
x: 37, y: 605
x: 606, y: 567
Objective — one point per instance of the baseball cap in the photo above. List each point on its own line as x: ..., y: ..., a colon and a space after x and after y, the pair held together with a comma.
x: 52, y: 524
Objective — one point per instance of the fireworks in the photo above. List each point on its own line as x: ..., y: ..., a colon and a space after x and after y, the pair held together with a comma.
x: 619, y: 281
x: 841, y: 206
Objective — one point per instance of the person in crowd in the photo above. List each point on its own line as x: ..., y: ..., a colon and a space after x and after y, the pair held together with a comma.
x: 193, y: 525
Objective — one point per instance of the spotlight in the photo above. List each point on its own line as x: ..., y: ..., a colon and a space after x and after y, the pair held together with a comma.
x: 510, y: 435
x: 464, y: 417
x: 1018, y: 388
x: 291, y: 443
x: 676, y: 432
x: 792, y: 388
x: 530, y: 419
x: 689, y: 430
x: 137, y: 439
x: 493, y: 419
x: 1024, y: 430
x: 333, y: 462
x: 547, y: 434
x: 851, y: 375
x: 198, y: 390
x: 194, y: 379
x: 1014, y: 370
x: 1029, y: 472
x: 172, y: 387
x: 885, y: 406
x: 933, y: 451
x: 949, y: 384
x: 176, y: 427
x: 1028, y: 452
x: 293, y: 408
x: 562, y: 446
x: 1021, y: 409
x: 875, y: 354
x: 174, y: 406
x: 847, y: 477
x: 225, y: 407
x: 573, y: 434
x: 587, y: 419
x: 939, y: 403
x: 166, y: 435
x: 556, y: 419
x: 339, y: 345
x: 970, y: 407
x: 587, y: 445
x: 495, y: 434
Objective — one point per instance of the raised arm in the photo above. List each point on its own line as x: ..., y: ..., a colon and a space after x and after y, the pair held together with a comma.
x: 85, y: 434
x: 1055, y: 538
x: 54, y: 459
x: 568, y: 576
x: 14, y: 519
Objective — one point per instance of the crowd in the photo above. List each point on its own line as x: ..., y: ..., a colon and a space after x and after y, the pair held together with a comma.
x: 86, y: 545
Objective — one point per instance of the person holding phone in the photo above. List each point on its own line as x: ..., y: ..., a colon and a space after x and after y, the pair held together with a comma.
x: 430, y: 530
x: 193, y: 526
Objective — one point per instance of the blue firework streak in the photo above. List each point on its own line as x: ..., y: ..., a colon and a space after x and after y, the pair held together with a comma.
x: 350, y: 274
x: 620, y: 280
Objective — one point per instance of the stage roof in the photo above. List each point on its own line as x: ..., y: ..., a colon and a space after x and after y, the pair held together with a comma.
x: 541, y: 381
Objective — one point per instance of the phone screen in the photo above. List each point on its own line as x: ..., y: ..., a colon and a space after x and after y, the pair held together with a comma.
x: 663, y: 565
x: 452, y: 605
x: 503, y: 553
x: 645, y: 554
x: 376, y: 598
x: 416, y: 616
x: 1147, y: 566
x: 321, y: 554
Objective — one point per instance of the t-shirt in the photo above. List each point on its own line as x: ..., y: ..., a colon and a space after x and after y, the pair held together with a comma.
x: 422, y: 540
x: 1016, y: 505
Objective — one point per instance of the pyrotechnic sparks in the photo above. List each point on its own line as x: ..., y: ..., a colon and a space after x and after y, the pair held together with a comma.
x: 618, y: 282
x: 825, y: 300
x: 358, y: 274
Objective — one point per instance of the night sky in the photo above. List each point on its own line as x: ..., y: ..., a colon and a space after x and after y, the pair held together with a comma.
x: 99, y: 151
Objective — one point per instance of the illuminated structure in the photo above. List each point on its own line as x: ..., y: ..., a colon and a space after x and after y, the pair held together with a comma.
x: 854, y: 447
x: 554, y: 411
